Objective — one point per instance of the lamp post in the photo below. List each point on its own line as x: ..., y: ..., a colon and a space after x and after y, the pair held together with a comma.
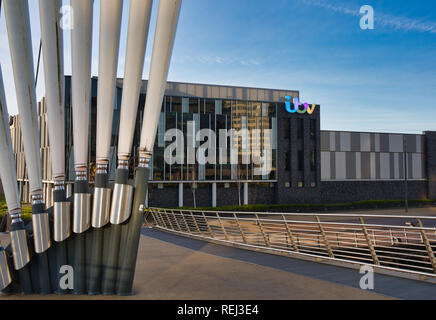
x: 406, y: 173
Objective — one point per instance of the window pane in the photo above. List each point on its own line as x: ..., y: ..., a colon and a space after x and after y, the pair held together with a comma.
x: 193, y: 105
x: 218, y: 106
x: 176, y: 103
x: 185, y: 105
x: 227, y: 108
x: 210, y: 106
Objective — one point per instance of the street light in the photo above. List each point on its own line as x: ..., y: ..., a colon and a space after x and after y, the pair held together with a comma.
x: 406, y: 173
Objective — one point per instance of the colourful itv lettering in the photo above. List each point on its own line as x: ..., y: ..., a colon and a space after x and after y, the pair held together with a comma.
x: 295, y: 106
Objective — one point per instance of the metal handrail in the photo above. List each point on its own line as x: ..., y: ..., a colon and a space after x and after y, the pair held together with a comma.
x: 320, y: 214
x: 391, y: 246
x: 324, y: 222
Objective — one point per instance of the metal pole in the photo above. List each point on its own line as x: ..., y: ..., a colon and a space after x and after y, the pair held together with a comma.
x: 110, y: 27
x: 324, y: 236
x: 428, y: 246
x: 166, y: 25
x: 262, y: 231
x: 130, y: 235
x: 208, y: 226
x: 19, y: 34
x: 8, y: 176
x: 290, y: 235
x: 81, y: 47
x: 406, y: 174
x: 369, y: 242
x: 52, y: 46
x: 175, y: 219
x: 123, y: 195
x: 39, y: 59
x: 240, y: 228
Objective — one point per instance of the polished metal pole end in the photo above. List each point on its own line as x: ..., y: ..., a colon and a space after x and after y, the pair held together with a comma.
x: 101, y: 207
x: 40, y: 223
x: 20, y: 250
x: 121, y: 203
x: 62, y: 221
x: 5, y: 274
x: 82, y: 212
x: 61, y: 213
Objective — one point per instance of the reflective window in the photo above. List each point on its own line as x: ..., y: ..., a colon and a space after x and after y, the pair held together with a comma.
x: 217, y: 114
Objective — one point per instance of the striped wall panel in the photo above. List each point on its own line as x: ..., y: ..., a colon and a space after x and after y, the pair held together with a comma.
x: 371, y: 156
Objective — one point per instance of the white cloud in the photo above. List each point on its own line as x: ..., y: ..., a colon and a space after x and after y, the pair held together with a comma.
x: 381, y: 19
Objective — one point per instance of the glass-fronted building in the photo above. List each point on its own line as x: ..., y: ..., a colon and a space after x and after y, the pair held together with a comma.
x: 306, y: 165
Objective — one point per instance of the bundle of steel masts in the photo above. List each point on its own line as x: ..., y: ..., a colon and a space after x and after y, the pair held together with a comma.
x: 95, y: 233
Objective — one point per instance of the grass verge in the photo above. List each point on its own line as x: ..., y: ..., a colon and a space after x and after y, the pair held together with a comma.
x: 26, y: 209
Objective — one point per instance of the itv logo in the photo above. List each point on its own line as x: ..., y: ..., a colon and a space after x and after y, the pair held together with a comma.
x: 298, y: 107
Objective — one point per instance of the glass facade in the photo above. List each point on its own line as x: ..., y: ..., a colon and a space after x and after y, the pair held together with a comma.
x: 181, y: 113
x: 216, y: 114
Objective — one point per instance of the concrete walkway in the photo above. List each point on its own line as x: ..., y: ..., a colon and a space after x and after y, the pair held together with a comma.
x: 172, y: 267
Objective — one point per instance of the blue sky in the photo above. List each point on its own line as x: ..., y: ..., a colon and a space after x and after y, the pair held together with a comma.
x: 365, y: 80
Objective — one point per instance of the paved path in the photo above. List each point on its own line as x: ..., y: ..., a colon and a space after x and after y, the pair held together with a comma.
x: 172, y: 267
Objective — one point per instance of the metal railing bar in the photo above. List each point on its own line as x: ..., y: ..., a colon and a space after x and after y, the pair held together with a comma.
x: 335, y: 224
x: 370, y: 245
x: 195, y: 222
x: 319, y: 214
x: 403, y: 260
x: 407, y: 267
x: 428, y: 247
x: 348, y: 241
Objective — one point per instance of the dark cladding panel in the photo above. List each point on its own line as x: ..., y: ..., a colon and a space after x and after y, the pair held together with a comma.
x: 325, y: 141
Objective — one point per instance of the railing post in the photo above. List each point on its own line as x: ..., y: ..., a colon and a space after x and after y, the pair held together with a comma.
x: 262, y: 231
x: 291, y: 238
x: 154, y: 218
x: 326, y: 242
x: 195, y: 222
x: 159, y: 217
x: 368, y: 240
x: 428, y: 246
x: 169, y: 220
x: 164, y: 224
x: 240, y: 229
x: 355, y: 239
x: 175, y: 219
x: 207, y: 224
x: 222, y: 226
x: 185, y: 222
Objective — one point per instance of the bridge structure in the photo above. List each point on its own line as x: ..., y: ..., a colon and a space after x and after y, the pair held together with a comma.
x: 178, y: 254
x: 198, y: 261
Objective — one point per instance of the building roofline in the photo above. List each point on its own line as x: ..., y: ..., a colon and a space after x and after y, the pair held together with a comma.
x: 375, y: 132
x: 212, y: 85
